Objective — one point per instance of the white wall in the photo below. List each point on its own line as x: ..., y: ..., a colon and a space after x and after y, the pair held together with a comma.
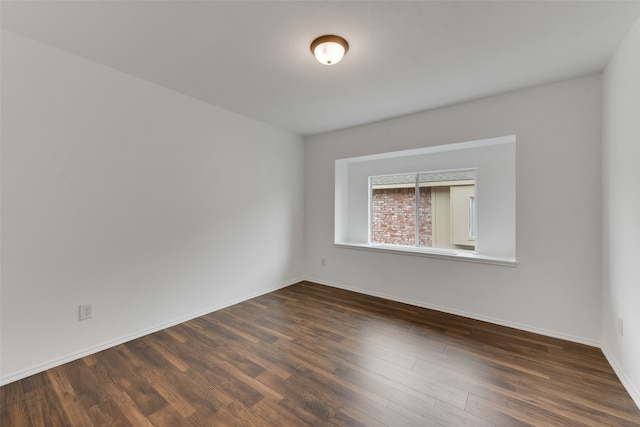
x: 621, y: 204
x: 153, y: 206
x: 556, y: 287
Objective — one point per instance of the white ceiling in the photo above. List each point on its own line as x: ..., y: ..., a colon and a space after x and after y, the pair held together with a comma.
x: 253, y: 57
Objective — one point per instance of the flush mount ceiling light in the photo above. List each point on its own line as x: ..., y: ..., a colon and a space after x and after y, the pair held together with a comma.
x: 329, y: 49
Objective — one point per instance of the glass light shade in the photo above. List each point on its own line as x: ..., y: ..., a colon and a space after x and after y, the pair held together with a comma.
x: 329, y: 50
x: 329, y: 53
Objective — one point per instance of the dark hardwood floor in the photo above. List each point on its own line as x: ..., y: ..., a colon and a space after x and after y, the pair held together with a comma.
x: 310, y: 355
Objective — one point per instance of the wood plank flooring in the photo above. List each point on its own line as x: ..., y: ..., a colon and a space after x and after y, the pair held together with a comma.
x: 310, y: 355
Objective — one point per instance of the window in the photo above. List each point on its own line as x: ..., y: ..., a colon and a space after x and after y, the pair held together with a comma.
x: 453, y: 201
x: 428, y: 209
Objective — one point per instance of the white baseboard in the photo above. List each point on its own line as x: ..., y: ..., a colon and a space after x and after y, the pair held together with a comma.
x: 474, y: 316
x: 631, y: 388
x: 633, y: 391
x: 6, y: 379
x: 628, y: 385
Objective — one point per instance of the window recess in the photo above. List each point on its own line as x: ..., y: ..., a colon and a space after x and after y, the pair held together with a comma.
x: 454, y: 201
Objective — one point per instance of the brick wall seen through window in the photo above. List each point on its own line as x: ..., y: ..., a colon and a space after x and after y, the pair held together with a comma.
x: 393, y: 217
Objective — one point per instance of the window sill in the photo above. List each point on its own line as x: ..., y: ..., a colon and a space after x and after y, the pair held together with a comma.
x: 450, y: 254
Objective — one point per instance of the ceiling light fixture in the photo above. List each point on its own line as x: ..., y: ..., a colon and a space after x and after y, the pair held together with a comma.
x: 329, y: 49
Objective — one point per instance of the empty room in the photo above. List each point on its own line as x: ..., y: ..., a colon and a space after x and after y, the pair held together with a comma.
x: 320, y: 213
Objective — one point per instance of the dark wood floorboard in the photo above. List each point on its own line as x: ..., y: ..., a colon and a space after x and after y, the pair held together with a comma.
x: 311, y: 355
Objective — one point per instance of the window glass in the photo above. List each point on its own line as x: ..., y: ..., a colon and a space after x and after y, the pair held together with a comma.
x: 427, y: 209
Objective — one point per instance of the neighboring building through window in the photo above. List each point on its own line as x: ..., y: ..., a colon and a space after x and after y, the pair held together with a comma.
x: 442, y: 215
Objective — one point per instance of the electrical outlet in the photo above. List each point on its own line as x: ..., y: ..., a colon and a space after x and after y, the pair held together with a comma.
x: 323, y: 262
x: 86, y: 311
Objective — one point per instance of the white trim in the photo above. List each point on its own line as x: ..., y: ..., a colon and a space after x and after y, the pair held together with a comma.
x: 441, y: 253
x: 92, y: 350
x: 474, y: 316
x: 628, y: 384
